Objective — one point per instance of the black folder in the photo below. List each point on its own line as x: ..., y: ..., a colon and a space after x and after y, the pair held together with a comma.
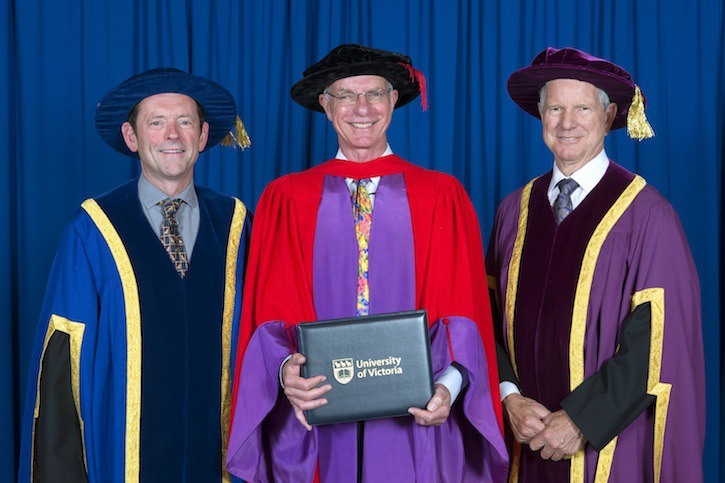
x: 378, y: 365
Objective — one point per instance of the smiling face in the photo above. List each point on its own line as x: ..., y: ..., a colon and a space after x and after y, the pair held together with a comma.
x: 360, y: 127
x: 574, y: 123
x: 168, y: 138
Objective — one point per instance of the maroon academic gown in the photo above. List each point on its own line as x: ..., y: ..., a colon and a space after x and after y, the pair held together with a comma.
x: 571, y: 298
x: 425, y: 252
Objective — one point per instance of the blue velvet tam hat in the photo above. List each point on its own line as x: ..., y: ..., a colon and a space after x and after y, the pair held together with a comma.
x: 571, y: 63
x: 216, y: 101
x: 350, y: 60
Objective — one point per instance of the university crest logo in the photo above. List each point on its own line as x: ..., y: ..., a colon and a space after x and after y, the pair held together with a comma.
x: 343, y: 370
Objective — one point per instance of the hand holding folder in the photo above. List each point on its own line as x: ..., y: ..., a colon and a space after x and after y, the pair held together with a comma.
x: 376, y: 366
x: 303, y: 394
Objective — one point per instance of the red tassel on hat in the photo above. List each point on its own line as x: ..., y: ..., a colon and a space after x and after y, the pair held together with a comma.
x: 419, y: 77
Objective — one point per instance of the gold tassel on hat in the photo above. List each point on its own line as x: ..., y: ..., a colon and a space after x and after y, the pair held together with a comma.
x: 637, y: 125
x: 239, y: 137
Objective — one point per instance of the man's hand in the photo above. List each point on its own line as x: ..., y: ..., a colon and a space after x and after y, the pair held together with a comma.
x: 303, y: 394
x: 437, y: 410
x: 525, y: 417
x: 560, y: 439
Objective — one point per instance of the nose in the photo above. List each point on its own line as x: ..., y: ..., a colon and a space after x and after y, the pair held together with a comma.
x: 361, y: 104
x: 568, y: 120
x: 172, y: 131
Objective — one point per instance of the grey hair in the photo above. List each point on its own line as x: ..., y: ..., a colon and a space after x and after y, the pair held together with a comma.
x: 603, y: 96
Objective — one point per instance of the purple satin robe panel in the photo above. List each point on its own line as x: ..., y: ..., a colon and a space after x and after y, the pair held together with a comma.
x: 392, y: 253
x: 294, y: 448
x: 334, y: 262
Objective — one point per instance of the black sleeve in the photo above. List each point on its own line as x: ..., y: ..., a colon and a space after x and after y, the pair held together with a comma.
x: 58, y: 443
x: 610, y: 399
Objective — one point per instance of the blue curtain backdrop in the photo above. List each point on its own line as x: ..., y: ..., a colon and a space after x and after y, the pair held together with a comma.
x: 57, y: 59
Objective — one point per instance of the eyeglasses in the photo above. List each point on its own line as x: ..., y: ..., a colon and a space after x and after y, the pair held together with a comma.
x: 348, y: 98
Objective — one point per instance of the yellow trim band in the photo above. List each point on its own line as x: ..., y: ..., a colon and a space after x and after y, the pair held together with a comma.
x: 515, y: 463
x: 512, y: 286
x: 75, y: 331
x: 133, y: 336
x: 230, y: 292
x: 513, y: 271
x: 656, y: 388
x: 581, y: 308
x: 604, y: 463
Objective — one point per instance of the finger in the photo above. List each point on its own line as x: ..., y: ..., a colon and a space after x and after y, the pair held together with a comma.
x: 426, y: 418
x: 293, y: 364
x: 540, y: 411
x: 546, y: 452
x: 305, y: 384
x: 434, y: 403
x: 307, y: 399
x: 300, y: 415
x: 298, y: 359
x: 536, y: 443
x: 532, y: 426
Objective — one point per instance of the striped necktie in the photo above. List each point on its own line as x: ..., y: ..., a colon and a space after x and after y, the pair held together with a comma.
x: 170, y: 236
x: 363, y: 212
x: 562, y: 204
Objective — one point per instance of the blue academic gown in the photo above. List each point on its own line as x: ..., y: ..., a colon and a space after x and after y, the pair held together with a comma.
x: 130, y: 376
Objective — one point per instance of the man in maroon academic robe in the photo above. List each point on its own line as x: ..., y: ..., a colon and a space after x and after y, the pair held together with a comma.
x: 424, y: 252
x: 602, y: 376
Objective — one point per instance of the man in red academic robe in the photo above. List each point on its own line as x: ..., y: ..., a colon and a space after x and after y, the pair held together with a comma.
x: 424, y: 251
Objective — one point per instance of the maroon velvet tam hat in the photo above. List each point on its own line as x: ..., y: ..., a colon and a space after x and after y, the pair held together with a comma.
x: 570, y: 63
x: 350, y: 60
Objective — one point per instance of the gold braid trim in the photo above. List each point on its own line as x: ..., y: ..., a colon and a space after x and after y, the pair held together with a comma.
x: 515, y: 463
x: 133, y: 336
x: 75, y: 331
x: 581, y: 308
x: 604, y: 463
x: 513, y: 272
x: 230, y: 292
x: 656, y: 388
x: 512, y: 287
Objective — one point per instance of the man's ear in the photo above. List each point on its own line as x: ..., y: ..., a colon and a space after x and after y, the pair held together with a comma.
x: 325, y: 103
x: 394, y: 96
x: 204, y: 136
x: 129, y: 136
x: 609, y: 114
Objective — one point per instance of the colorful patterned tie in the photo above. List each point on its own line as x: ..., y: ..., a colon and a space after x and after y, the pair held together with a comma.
x: 562, y: 205
x: 170, y: 236
x: 363, y: 212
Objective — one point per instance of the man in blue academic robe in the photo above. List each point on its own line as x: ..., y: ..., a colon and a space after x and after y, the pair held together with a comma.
x: 130, y: 374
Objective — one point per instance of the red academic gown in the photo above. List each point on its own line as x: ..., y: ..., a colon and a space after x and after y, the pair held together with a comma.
x: 450, y: 279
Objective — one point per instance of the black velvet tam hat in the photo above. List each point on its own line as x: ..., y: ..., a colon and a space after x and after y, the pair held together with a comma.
x: 350, y: 60
x: 218, y: 104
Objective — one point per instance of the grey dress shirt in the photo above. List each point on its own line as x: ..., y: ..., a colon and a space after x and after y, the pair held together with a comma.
x: 187, y: 217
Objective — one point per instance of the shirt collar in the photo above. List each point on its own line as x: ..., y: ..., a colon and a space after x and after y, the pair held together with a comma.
x: 340, y: 155
x: 587, y: 177
x: 150, y: 195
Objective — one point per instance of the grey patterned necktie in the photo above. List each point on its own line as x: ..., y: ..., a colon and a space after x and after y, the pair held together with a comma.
x: 170, y: 236
x: 562, y: 205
